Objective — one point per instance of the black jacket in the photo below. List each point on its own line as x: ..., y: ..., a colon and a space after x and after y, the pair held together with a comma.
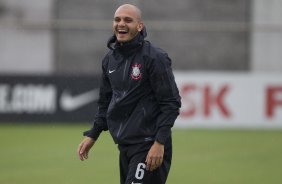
x: 139, y: 100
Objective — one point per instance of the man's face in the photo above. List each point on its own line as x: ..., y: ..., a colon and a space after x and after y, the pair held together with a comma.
x: 126, y: 24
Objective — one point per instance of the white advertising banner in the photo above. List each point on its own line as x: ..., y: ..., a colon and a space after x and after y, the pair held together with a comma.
x: 235, y: 100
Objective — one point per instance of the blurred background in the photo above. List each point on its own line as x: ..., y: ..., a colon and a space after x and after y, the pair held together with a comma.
x: 68, y: 37
x: 226, y: 56
x: 223, y: 51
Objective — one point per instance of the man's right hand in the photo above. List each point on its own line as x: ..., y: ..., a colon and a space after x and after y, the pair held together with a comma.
x: 84, y: 147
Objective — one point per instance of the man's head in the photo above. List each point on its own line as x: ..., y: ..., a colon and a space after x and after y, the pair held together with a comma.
x: 127, y: 22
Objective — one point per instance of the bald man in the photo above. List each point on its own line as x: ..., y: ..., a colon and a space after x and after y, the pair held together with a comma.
x: 138, y: 104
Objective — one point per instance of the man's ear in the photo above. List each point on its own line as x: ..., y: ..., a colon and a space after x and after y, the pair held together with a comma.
x: 140, y: 26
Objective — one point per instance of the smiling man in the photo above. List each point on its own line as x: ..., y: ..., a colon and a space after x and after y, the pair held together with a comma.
x: 138, y: 102
x: 127, y: 23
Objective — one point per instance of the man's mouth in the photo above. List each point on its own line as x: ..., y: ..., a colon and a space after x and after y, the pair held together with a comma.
x: 122, y: 31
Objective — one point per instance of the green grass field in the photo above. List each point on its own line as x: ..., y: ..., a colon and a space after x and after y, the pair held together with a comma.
x: 46, y: 154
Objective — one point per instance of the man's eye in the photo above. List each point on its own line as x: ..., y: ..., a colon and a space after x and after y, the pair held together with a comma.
x: 117, y: 20
x: 128, y: 20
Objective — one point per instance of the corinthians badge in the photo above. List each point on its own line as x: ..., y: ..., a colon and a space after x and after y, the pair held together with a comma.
x: 136, y: 74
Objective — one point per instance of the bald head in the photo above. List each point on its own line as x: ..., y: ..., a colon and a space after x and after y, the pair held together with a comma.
x: 127, y: 22
x: 133, y: 10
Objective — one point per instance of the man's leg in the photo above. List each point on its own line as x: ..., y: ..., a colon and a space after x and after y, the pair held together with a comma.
x: 123, y: 164
x: 137, y: 173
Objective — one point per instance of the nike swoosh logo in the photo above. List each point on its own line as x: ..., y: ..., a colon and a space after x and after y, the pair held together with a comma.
x: 70, y: 102
x: 111, y: 71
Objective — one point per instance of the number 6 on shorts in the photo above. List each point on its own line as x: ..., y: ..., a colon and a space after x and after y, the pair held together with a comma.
x: 140, y: 171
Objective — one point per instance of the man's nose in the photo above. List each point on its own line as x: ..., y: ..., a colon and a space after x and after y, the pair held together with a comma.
x: 121, y: 23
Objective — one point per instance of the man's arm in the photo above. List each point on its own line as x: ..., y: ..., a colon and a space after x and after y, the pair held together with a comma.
x: 169, y: 100
x: 167, y: 95
x: 105, y: 95
x: 100, y: 122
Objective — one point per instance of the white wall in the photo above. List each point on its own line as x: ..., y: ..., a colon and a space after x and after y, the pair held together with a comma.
x: 25, y: 49
x: 266, y: 42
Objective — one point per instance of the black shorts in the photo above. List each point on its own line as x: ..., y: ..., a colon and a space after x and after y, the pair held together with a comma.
x: 132, y: 164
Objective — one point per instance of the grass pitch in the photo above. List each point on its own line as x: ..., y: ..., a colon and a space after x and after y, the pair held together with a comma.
x: 46, y: 153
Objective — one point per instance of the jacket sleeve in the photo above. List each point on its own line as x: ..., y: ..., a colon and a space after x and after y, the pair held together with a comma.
x: 105, y: 95
x: 167, y: 94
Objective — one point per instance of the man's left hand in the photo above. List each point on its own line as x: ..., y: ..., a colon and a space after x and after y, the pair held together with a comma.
x: 155, y: 155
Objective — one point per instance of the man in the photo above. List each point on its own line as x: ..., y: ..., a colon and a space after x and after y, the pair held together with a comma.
x: 139, y: 102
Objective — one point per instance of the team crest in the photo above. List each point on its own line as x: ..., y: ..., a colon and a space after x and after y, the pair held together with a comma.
x: 136, y: 74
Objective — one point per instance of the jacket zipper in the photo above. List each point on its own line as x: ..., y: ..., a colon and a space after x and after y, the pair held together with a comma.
x: 119, y: 130
x: 124, y: 90
x: 124, y: 75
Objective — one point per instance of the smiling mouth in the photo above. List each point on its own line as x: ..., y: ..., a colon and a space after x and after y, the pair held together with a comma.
x: 123, y: 32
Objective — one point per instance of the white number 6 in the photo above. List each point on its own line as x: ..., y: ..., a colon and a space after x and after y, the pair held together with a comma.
x: 140, y: 171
